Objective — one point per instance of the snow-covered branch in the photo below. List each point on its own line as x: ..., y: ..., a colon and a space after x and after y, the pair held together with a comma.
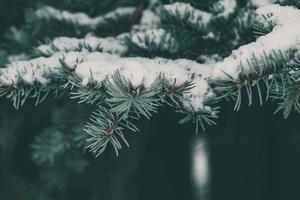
x: 126, y: 88
x: 285, y: 37
x: 113, y: 45
x: 190, y: 15
x: 50, y: 13
x: 93, y: 71
x: 142, y: 71
x: 99, y: 66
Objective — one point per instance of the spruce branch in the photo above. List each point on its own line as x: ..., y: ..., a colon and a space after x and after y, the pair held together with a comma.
x: 200, y: 118
x: 181, y: 15
x: 184, y: 31
x: 43, y: 23
x: 154, y: 42
x: 263, y: 25
x: 105, y: 127
x: 125, y: 98
x: 49, y: 145
x: 173, y: 95
x: 289, y: 95
x: 265, y: 71
x: 80, y: 19
x: 287, y: 91
x: 114, y: 45
x: 22, y: 92
x: 126, y: 88
x: 184, y: 16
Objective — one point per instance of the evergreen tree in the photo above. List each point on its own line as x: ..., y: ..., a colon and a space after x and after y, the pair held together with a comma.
x: 122, y: 61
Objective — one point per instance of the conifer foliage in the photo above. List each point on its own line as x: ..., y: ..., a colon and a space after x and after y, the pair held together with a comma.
x: 131, y: 58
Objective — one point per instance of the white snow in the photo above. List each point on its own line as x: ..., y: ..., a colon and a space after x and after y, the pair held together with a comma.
x: 119, y: 12
x: 284, y: 37
x: 29, y: 71
x: 114, y: 45
x: 281, y: 15
x: 228, y: 7
x: 197, y: 18
x: 143, y: 71
x: 260, y: 3
x: 48, y: 13
x: 158, y: 38
x: 148, y: 20
x: 140, y: 71
x: 17, y: 57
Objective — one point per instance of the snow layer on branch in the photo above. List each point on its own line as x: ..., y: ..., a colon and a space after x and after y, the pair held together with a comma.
x: 82, y: 19
x: 114, y: 45
x: 49, y: 13
x: 29, y: 72
x: 198, y: 18
x: 99, y: 66
x: 149, y: 19
x: 17, y: 57
x: 260, y: 3
x: 155, y: 38
x: 228, y: 7
x: 185, y: 11
x: 285, y: 37
x: 143, y: 71
x: 281, y: 15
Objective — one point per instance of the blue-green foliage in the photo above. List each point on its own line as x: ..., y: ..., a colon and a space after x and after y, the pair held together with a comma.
x: 118, y: 103
x: 59, y: 147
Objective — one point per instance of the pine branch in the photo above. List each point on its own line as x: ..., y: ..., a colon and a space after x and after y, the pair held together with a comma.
x: 184, y: 31
x: 125, y: 98
x: 265, y: 72
x: 184, y: 16
x: 49, y: 145
x: 154, y: 42
x: 106, y: 127
x: 113, y: 45
x: 49, y: 13
x: 127, y: 88
x: 289, y: 95
x: 200, y: 118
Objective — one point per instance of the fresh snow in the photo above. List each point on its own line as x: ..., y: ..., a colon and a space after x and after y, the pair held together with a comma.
x: 284, y: 37
x: 197, y: 18
x: 260, y: 3
x: 17, y: 57
x: 228, y: 7
x: 114, y: 45
x: 82, y: 19
x: 149, y: 19
x: 49, y: 13
x: 158, y: 38
x: 99, y: 66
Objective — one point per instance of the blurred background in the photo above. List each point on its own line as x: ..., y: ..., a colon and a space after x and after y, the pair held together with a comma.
x: 250, y: 154
x: 253, y: 155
